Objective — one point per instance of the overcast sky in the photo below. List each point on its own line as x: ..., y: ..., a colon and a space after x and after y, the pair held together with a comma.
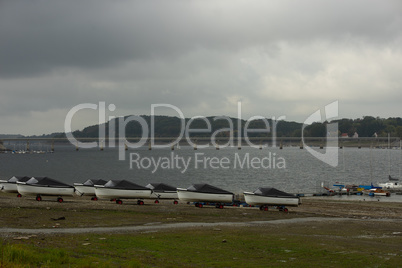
x: 279, y: 58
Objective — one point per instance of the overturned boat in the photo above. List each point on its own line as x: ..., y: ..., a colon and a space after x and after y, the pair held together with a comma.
x: 10, y: 185
x: 87, y: 187
x: 205, y: 193
x: 122, y: 189
x: 44, y: 186
x: 265, y: 197
x: 163, y: 191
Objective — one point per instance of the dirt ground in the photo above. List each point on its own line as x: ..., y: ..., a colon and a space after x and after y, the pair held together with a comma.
x: 81, y: 212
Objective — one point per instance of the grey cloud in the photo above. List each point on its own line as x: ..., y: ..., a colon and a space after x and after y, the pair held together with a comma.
x: 277, y: 57
x: 39, y: 36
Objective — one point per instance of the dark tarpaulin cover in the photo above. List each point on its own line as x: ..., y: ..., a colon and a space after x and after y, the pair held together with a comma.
x: 93, y: 182
x: 45, y: 181
x: 206, y: 188
x: 161, y: 187
x: 123, y: 184
x: 17, y: 178
x: 272, y: 192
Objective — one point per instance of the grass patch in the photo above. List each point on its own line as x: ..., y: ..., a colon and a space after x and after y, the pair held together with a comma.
x: 303, y: 245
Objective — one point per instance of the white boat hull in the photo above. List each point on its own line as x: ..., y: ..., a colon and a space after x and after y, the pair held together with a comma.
x: 164, y: 195
x: 190, y: 196
x: 111, y: 193
x: 380, y: 194
x: 391, y: 185
x: 27, y: 189
x: 259, y: 200
x: 84, y: 190
x: 8, y: 187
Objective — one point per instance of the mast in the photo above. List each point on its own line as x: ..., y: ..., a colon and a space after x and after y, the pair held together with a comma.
x: 389, y: 156
x: 343, y: 160
x: 400, y: 158
x: 371, y: 164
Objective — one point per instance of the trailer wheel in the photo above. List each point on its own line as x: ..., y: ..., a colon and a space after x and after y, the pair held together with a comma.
x: 19, y: 195
x: 60, y: 200
x: 261, y: 207
x: 175, y: 202
x: 141, y: 203
x: 200, y: 205
x: 95, y: 198
x: 285, y: 210
x: 38, y: 198
x: 265, y: 208
x: 221, y: 206
x: 118, y: 201
x: 157, y: 201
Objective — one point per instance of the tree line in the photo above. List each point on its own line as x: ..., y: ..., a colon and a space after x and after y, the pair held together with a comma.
x: 169, y: 126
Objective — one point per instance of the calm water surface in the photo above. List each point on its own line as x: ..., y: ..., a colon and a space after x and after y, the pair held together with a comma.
x: 291, y: 169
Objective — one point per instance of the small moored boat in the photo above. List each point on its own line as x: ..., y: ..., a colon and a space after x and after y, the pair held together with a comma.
x: 205, y: 193
x: 394, y: 185
x: 87, y: 187
x: 376, y: 192
x: 44, y: 186
x: 122, y: 189
x: 10, y: 185
x: 265, y: 197
x: 163, y: 191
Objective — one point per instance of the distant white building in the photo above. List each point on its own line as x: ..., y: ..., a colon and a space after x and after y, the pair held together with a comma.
x: 375, y: 135
x: 355, y: 135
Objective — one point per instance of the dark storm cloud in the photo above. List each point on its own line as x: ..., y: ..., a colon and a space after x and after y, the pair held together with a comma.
x: 277, y: 57
x: 38, y: 36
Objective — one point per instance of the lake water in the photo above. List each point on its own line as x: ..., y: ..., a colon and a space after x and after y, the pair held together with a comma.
x: 292, y: 170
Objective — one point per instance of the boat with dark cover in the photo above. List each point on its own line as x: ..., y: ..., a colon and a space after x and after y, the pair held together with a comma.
x: 163, y: 191
x: 87, y: 187
x: 122, y: 189
x: 268, y: 196
x: 10, y: 185
x: 44, y: 186
x: 205, y: 193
